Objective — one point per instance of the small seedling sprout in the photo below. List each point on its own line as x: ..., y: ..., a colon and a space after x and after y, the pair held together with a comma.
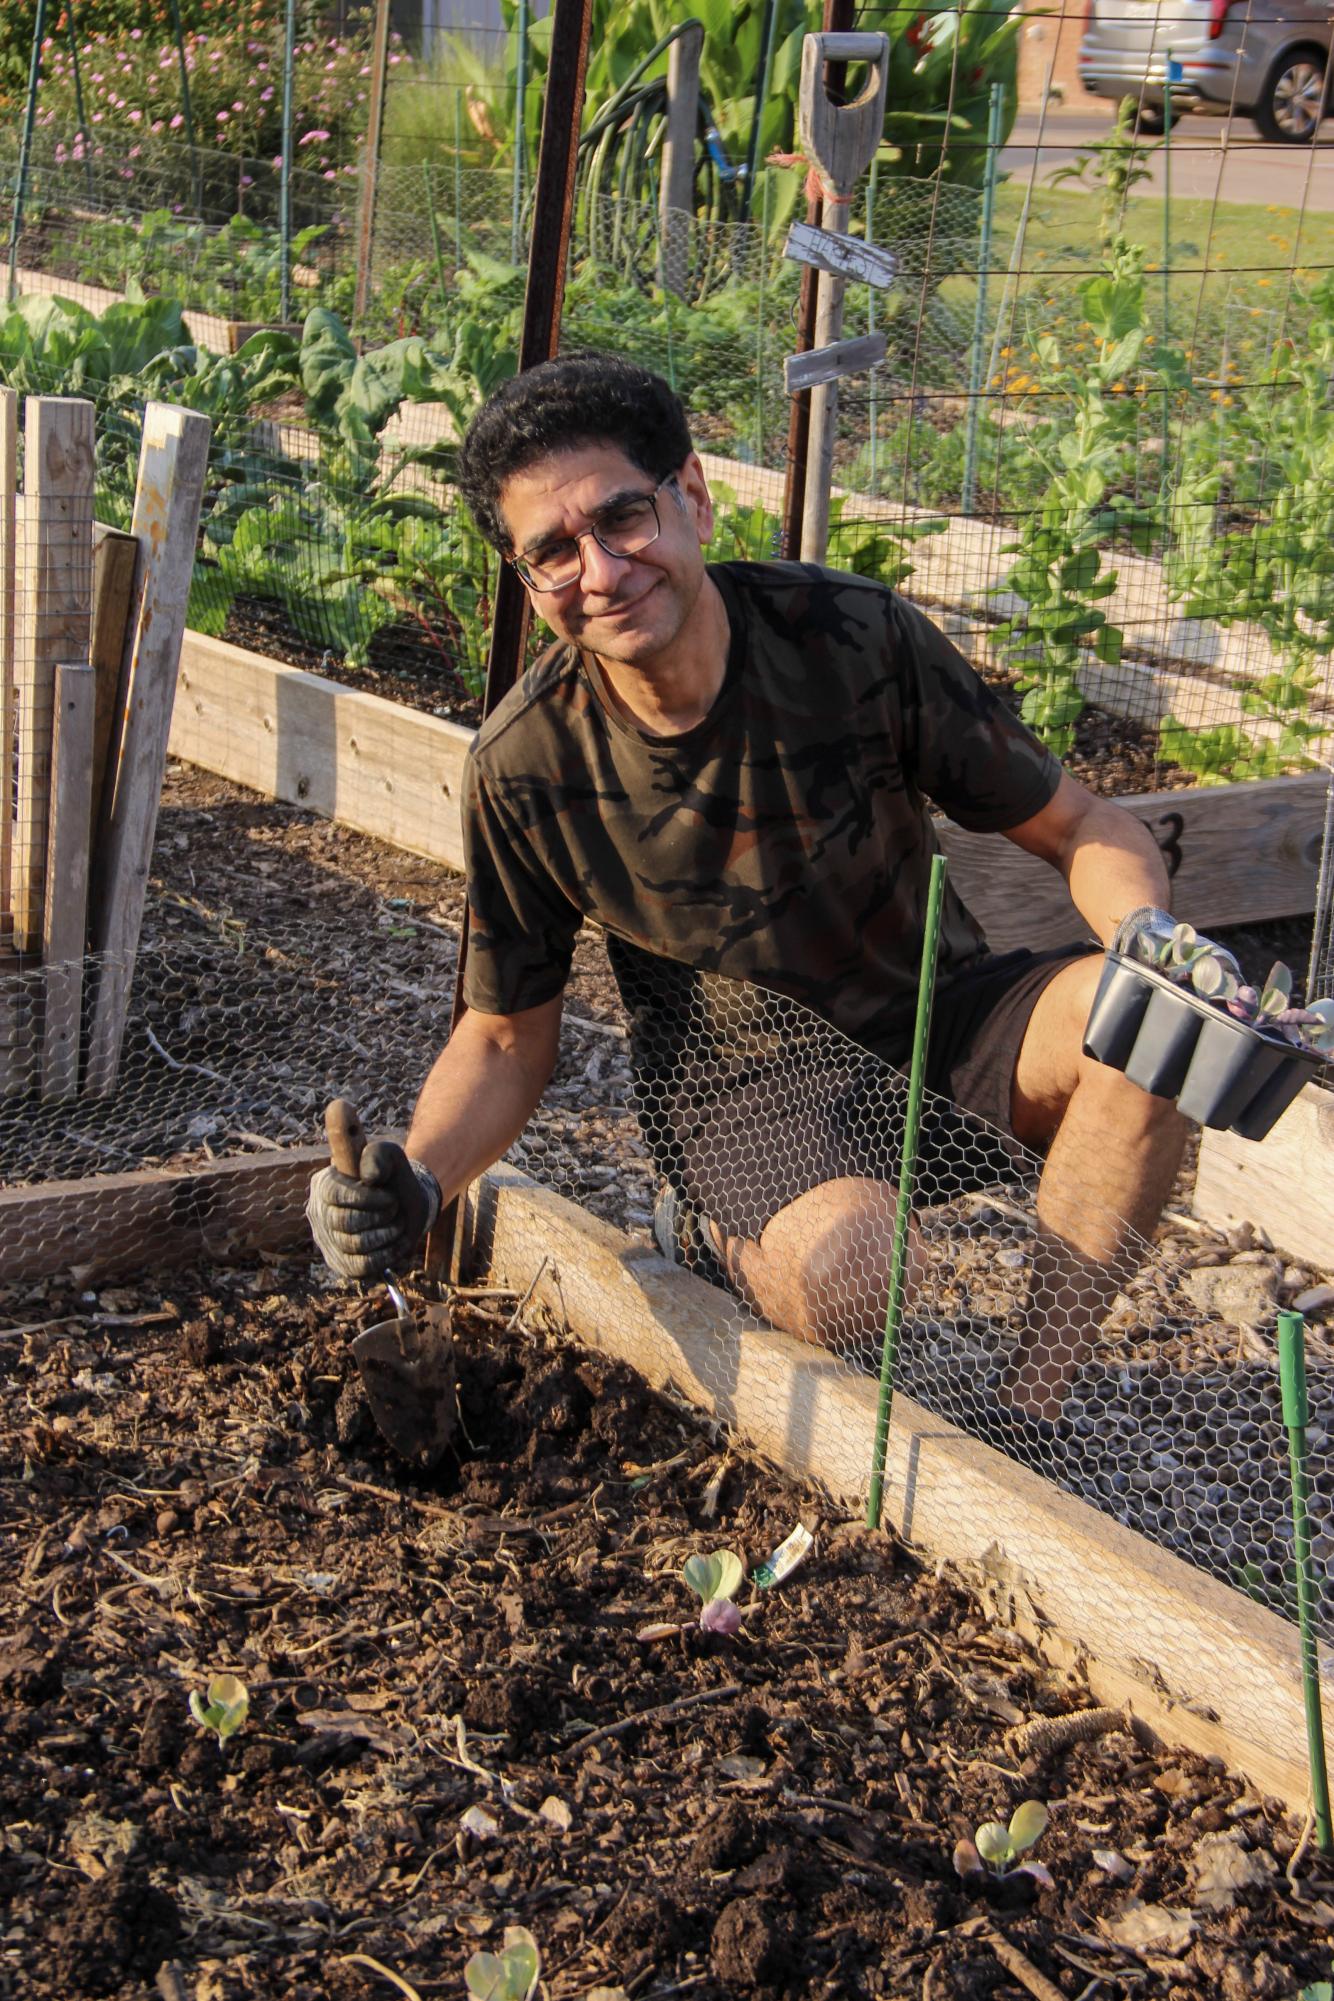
x: 227, y: 1707
x: 509, y: 1975
x: 715, y: 1580
x: 1001, y: 1849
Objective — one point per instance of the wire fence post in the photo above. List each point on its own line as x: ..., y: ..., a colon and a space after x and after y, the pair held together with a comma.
x: 458, y: 178
x: 898, y: 1268
x: 80, y: 113
x: 520, y: 90
x: 995, y: 112
x: 873, y: 401
x: 285, y: 181
x: 25, y: 148
x: 187, y: 113
x: 1292, y: 1380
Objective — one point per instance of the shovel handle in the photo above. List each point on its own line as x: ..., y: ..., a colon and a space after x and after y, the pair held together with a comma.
x: 346, y: 1136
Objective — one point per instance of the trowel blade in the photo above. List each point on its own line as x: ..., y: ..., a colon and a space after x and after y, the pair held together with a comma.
x: 407, y: 1371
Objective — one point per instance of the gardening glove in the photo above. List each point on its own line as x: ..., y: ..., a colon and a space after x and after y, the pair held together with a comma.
x: 370, y: 1225
x: 1147, y: 934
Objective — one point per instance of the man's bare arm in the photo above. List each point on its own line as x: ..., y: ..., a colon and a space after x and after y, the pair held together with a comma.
x: 1110, y: 860
x: 482, y: 1090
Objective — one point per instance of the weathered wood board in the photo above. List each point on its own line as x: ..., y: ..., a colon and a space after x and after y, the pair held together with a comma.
x: 1282, y: 1184
x: 396, y: 774
x: 112, y: 1224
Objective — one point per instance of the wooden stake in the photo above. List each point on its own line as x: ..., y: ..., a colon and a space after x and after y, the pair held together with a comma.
x: 172, y: 462
x: 53, y: 605
x: 676, y: 206
x: 65, y: 912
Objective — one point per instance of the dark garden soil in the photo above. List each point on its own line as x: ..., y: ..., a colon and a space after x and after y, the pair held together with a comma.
x: 453, y: 1726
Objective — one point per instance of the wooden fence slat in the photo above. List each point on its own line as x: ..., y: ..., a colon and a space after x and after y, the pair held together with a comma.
x: 115, y: 556
x: 53, y: 605
x: 1282, y: 1184
x: 173, y: 460
x: 65, y: 912
x: 9, y: 461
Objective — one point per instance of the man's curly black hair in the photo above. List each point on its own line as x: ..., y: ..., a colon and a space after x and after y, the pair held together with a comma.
x: 578, y: 399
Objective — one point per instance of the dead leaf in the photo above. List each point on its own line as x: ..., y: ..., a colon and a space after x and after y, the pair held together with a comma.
x: 1225, y: 1866
x: 737, y: 1766
x: 1151, y: 1927
x: 1113, y: 1865
x: 989, y: 1692
x: 345, y: 1726
x: 96, y: 1843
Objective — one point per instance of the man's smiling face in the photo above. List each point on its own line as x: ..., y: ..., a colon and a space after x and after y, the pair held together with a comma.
x: 623, y: 608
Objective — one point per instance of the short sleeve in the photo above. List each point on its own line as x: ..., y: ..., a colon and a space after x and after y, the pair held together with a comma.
x: 521, y: 925
x: 964, y: 749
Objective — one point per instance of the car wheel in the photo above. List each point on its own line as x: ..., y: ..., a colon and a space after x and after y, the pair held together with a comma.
x: 1149, y: 119
x: 1292, y: 102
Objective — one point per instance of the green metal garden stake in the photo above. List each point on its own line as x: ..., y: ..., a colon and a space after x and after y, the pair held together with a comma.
x: 25, y: 149
x: 1292, y: 1379
x: 995, y: 113
x: 1167, y: 248
x: 872, y: 190
x: 285, y: 181
x: 926, y: 990
x: 458, y: 178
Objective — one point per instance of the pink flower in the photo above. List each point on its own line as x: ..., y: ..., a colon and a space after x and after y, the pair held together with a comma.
x: 266, y: 93
x: 330, y: 175
x: 246, y: 181
x: 136, y: 34
x: 277, y: 159
x: 134, y: 152
x: 135, y: 116
x: 177, y: 120
x: 238, y: 106
x: 157, y: 124
x: 223, y: 116
x: 309, y: 138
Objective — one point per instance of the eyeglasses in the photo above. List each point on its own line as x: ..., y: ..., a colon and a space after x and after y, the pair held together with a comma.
x: 622, y: 530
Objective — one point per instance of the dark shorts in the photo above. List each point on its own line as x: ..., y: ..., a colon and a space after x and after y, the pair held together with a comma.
x: 741, y: 1146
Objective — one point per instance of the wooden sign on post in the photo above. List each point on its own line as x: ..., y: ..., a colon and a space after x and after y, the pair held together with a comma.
x: 844, y: 256
x: 825, y: 364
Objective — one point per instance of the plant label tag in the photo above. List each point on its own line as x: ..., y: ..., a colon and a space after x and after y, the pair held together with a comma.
x: 826, y: 364
x: 790, y: 1552
x: 844, y: 256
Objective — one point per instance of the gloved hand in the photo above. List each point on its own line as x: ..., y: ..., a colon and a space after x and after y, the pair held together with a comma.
x: 371, y: 1225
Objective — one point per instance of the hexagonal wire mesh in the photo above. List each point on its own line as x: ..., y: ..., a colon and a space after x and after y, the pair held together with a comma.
x: 762, y: 1148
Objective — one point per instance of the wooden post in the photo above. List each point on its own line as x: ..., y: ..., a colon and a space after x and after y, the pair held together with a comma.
x: 114, y: 557
x: 52, y: 614
x: 841, y: 140
x: 173, y: 460
x: 676, y: 203
x: 65, y: 911
x: 9, y: 463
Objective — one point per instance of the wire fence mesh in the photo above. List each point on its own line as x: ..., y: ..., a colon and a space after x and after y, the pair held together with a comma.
x: 759, y: 1148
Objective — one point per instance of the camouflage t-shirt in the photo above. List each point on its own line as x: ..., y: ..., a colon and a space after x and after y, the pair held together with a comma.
x: 785, y: 840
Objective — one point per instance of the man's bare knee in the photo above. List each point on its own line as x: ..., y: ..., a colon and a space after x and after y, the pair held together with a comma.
x: 834, y: 1251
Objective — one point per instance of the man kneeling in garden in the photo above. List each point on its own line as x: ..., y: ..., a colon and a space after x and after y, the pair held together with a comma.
x: 729, y: 767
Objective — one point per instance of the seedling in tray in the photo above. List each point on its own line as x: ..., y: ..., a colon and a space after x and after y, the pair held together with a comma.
x: 1214, y: 974
x: 716, y: 1580
x: 1000, y: 1849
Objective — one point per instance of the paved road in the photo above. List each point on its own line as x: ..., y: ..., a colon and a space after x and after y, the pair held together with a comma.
x: 1202, y: 149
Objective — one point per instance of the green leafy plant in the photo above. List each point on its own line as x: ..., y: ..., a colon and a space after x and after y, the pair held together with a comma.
x: 715, y: 1580
x: 1115, y: 165
x: 509, y: 1975
x: 227, y: 1707
x: 1002, y: 1849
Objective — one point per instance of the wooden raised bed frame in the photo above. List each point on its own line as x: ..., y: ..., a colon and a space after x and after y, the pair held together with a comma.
x: 1200, y: 1664
x: 395, y: 773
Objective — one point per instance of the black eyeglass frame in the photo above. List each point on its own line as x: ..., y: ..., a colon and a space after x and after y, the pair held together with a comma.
x: 528, y: 576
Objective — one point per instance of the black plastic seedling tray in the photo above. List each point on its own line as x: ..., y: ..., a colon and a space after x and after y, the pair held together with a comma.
x: 1172, y: 1042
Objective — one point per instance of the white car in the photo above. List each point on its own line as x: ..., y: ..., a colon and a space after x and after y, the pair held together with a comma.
x: 1254, y: 56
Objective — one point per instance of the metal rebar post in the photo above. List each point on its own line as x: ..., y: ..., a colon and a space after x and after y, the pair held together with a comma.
x: 25, y: 148
x: 1167, y: 257
x: 872, y: 189
x: 995, y: 113
x: 1292, y: 1380
x: 285, y: 171
x: 898, y: 1268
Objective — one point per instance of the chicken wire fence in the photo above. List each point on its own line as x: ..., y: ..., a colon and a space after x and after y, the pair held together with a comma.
x: 752, y: 1143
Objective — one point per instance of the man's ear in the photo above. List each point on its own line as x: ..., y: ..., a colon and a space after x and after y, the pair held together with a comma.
x: 695, y: 492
